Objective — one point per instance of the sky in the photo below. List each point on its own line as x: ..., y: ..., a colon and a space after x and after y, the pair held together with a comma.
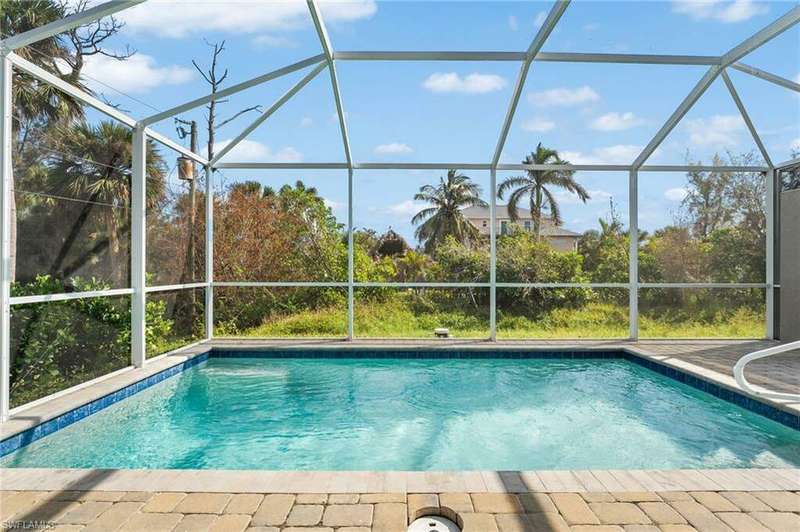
x: 453, y: 111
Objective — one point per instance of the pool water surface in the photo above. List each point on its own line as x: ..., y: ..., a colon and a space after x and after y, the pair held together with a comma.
x: 417, y: 414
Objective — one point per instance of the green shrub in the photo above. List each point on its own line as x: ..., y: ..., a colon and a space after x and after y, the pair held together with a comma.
x: 58, y: 344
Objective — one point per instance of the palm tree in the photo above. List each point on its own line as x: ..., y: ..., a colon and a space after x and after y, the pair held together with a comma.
x: 102, y: 176
x: 537, y: 184
x: 444, y: 216
x: 34, y: 103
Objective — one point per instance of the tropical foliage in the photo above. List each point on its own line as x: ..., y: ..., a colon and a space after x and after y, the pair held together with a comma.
x: 444, y: 217
x: 537, y: 186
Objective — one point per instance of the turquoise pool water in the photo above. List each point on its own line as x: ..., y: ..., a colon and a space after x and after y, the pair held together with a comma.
x: 412, y: 414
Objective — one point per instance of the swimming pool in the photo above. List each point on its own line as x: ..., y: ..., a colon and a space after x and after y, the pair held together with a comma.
x: 417, y: 414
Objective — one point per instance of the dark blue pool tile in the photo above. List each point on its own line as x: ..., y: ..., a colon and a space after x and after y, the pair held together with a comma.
x: 416, y: 354
x: 33, y: 434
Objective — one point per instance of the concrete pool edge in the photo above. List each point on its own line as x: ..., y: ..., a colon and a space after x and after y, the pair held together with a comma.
x: 245, y: 481
x: 52, y: 415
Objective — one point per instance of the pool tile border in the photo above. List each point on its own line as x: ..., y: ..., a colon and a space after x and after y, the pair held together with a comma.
x: 416, y: 353
x: 28, y: 436
x: 790, y: 419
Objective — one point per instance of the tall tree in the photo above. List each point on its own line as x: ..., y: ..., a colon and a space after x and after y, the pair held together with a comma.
x: 537, y: 186
x: 36, y: 104
x: 708, y: 201
x: 444, y: 216
x: 101, y: 176
x: 215, y: 76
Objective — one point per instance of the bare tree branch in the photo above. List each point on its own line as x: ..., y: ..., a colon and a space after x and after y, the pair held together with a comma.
x: 237, y: 115
x: 88, y: 39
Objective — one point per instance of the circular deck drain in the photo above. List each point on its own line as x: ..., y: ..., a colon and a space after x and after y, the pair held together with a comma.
x: 433, y: 523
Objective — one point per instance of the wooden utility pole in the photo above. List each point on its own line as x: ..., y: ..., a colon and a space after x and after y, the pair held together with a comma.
x: 187, y: 172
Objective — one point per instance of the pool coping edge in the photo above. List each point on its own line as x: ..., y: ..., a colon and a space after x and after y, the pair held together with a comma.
x: 247, y: 481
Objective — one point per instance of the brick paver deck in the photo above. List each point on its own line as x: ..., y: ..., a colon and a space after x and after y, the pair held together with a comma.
x: 672, y: 511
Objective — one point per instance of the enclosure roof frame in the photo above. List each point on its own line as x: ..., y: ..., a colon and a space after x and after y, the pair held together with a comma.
x: 717, y: 65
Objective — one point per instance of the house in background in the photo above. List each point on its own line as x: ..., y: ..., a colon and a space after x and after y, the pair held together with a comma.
x: 561, y: 239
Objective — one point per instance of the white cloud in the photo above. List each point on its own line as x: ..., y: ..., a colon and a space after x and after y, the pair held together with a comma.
x: 474, y: 83
x: 541, y: 16
x: 333, y: 205
x: 719, y: 130
x: 306, y: 121
x: 513, y: 24
x: 591, y: 26
x: 253, y: 151
x: 172, y: 18
x: 676, y: 194
x: 565, y: 197
x: 138, y: 73
x: 406, y: 208
x: 720, y: 10
x: 795, y: 145
x: 616, y: 154
x: 273, y: 41
x: 616, y: 122
x: 393, y: 147
x: 563, y: 97
x: 539, y: 125
x: 619, y: 152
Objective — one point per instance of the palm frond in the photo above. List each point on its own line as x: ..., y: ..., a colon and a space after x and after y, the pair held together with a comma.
x: 511, y: 182
x: 555, y: 210
x: 513, y: 202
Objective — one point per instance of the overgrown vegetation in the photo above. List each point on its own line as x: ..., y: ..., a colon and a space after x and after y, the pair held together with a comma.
x: 698, y: 247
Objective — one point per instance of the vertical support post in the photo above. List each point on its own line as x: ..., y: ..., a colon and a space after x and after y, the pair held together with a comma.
x: 350, y: 261
x: 493, y: 256
x: 633, y: 254
x: 138, y: 249
x: 5, y: 236
x: 209, y: 253
x: 770, y: 273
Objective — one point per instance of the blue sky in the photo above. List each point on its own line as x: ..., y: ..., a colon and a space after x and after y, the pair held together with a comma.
x: 441, y: 111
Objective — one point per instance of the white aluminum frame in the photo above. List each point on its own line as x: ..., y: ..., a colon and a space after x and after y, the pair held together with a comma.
x: 772, y: 78
x: 5, y: 234
x: 746, y: 117
x: 67, y: 23
x: 547, y: 27
x: 267, y: 113
x: 138, y: 246
x: 138, y: 290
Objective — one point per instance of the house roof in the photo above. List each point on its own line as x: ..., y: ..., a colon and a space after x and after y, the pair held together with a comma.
x: 501, y: 210
x: 548, y: 228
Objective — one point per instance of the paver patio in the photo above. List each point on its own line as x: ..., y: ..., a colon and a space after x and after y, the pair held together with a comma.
x: 475, y: 512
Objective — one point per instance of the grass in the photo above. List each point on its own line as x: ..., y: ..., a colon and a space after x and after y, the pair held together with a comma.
x: 397, y: 318
x: 742, y: 323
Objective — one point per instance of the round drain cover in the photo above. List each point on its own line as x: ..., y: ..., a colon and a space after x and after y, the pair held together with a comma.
x: 433, y: 523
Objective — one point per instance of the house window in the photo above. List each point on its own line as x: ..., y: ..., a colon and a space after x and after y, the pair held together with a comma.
x: 484, y: 223
x: 503, y: 227
x: 527, y: 225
